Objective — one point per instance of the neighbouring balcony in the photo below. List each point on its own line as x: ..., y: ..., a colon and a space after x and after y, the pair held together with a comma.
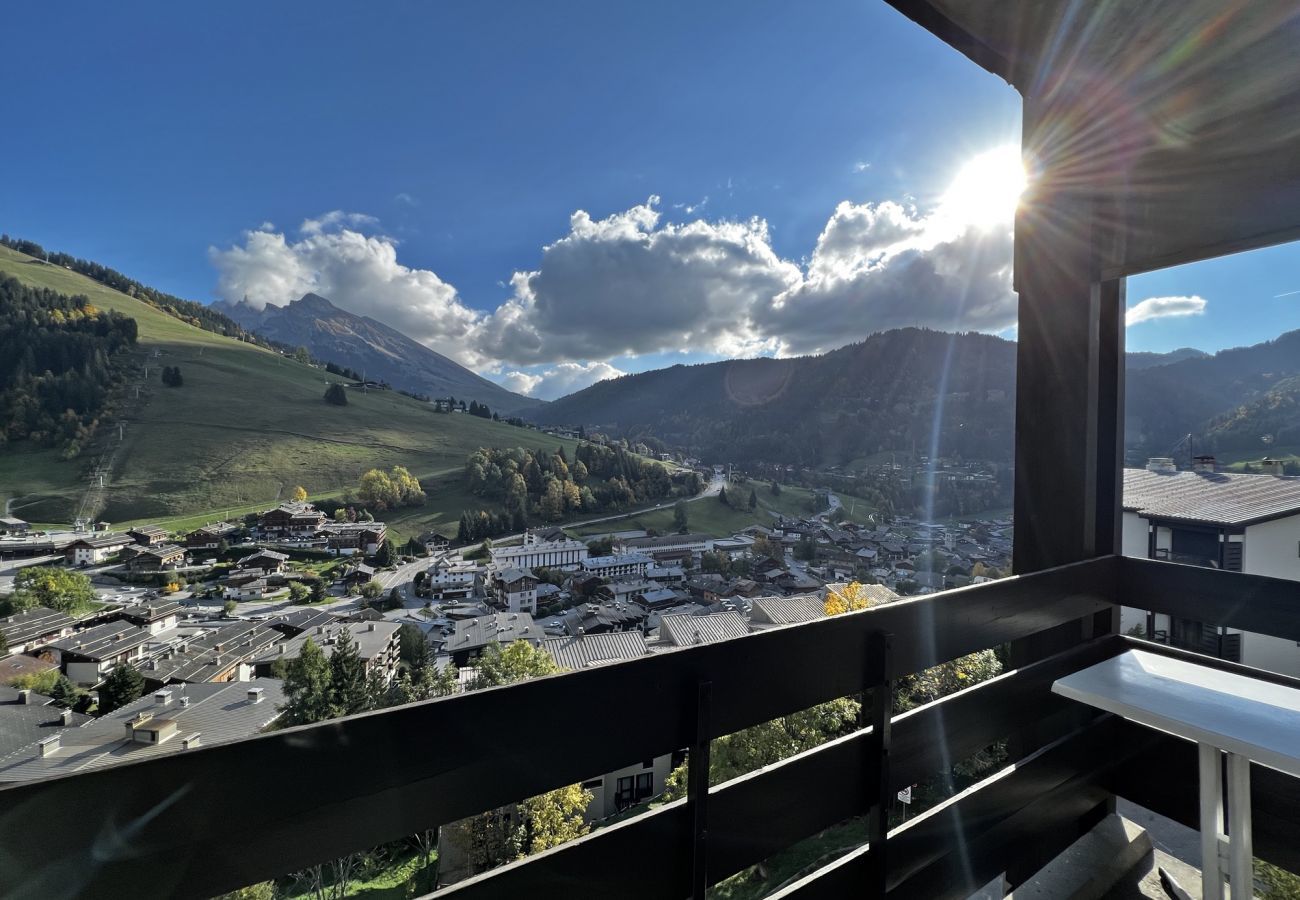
x: 214, y: 818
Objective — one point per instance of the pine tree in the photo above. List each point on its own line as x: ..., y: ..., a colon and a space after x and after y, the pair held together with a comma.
x: 753, y: 500
x: 348, y: 691
x: 336, y: 395
x: 124, y: 685
x: 722, y: 496
x: 307, y: 687
x: 63, y: 693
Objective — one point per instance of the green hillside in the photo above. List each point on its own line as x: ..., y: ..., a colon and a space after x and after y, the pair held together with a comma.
x: 246, y: 424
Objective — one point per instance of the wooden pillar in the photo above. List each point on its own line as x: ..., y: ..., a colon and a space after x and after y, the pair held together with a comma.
x: 1069, y: 408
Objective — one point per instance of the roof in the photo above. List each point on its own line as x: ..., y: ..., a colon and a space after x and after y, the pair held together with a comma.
x: 502, y: 628
x: 147, y: 530
x: 218, y: 712
x: 26, y: 723
x: 12, y: 667
x: 617, y: 559
x: 102, y: 541
x: 687, y: 631
x: 372, y: 639
x: 103, y: 641
x: 666, y: 540
x: 786, y: 610
x: 300, y: 620
x: 203, y: 658
x: 512, y: 575
x: 587, y: 650
x: 26, y: 626
x: 160, y: 609
x: 1215, y: 498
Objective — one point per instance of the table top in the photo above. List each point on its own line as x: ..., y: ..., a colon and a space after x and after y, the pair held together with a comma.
x: 1236, y: 713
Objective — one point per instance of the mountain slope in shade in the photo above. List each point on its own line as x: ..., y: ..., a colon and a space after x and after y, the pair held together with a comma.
x: 1148, y: 360
x: 379, y: 352
x: 883, y: 394
x: 888, y: 392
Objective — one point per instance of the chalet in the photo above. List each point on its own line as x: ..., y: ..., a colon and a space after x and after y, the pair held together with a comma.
x: 299, y: 621
x: 245, y: 586
x: 148, y: 535
x: 358, y: 575
x: 34, y: 628
x: 434, y: 542
x: 268, y: 562
x: 658, y: 598
x: 159, y: 558
x: 291, y: 520
x: 87, y: 656
x: 603, y: 618
x: 347, y: 538
x: 450, y: 577
x: 96, y: 549
x: 209, y: 537
x: 156, y: 617
x: 515, y: 590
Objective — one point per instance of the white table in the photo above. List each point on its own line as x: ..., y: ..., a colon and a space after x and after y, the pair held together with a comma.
x: 1248, y: 719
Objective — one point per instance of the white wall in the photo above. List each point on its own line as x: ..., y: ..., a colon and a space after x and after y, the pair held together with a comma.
x: 1273, y: 549
x: 1134, y: 537
x: 603, y: 798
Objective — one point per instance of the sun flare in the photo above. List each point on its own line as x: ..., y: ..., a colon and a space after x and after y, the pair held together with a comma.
x: 987, y: 189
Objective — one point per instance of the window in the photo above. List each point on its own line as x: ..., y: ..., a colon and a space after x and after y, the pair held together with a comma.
x: 644, y: 785
x: 648, y: 764
x: 623, y: 797
x: 593, y: 784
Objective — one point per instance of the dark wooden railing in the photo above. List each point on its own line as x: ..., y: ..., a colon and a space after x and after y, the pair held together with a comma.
x: 211, y: 819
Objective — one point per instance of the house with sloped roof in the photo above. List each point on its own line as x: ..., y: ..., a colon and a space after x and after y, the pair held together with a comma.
x: 34, y: 628
x: 1219, y: 520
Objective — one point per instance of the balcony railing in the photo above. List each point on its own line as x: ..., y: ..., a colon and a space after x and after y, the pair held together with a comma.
x: 211, y: 819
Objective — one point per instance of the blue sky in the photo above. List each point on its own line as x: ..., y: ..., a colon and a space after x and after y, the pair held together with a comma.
x: 409, y: 159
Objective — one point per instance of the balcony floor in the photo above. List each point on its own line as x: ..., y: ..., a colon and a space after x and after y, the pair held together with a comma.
x: 1177, y: 850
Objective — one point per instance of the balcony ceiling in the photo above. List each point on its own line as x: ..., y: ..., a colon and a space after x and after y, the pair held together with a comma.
x: 1180, y: 118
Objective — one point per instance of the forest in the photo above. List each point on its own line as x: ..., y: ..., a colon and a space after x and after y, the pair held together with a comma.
x: 550, y: 486
x: 196, y: 314
x: 60, y: 361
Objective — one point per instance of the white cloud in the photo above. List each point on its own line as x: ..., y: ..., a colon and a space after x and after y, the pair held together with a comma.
x: 631, y: 284
x: 861, y: 166
x: 559, y: 380
x: 336, y: 217
x: 1164, y: 307
x: 357, y: 272
x: 627, y: 285
x: 406, y: 199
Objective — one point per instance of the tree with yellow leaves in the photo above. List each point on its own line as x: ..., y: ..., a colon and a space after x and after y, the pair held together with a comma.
x: 851, y: 597
x: 299, y: 494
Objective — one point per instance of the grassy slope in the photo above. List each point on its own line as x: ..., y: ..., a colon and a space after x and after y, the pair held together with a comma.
x: 245, y: 422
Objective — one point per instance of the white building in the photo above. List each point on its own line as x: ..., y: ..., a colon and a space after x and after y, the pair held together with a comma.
x: 618, y: 566
x: 516, y: 590
x: 1242, y: 523
x: 451, y: 577
x: 534, y: 553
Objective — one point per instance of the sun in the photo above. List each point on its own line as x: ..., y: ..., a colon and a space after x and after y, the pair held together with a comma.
x: 986, y: 190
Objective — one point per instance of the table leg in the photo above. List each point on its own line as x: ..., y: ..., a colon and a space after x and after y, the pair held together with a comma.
x: 1211, y: 791
x: 1240, y: 865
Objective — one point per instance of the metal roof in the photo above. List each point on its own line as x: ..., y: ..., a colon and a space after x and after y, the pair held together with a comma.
x: 218, y: 712
x: 25, y: 626
x: 1214, y: 498
x: 687, y: 631
x: 587, y: 650
x: 787, y: 610
x: 26, y: 723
